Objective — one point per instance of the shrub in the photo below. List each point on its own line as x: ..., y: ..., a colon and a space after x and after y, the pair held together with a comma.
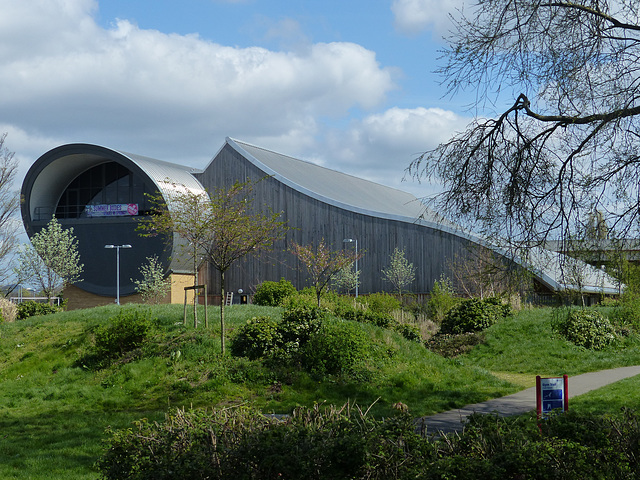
x: 242, y: 443
x: 587, y: 328
x: 8, y: 310
x: 339, y: 347
x: 271, y: 294
x: 451, y: 346
x: 127, y: 331
x: 32, y: 309
x: 299, y: 323
x: 471, y: 315
x: 410, y: 332
x: 259, y: 338
x: 381, y: 303
x: 442, y: 299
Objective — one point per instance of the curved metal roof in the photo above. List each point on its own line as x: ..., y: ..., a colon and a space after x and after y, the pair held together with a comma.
x: 369, y: 198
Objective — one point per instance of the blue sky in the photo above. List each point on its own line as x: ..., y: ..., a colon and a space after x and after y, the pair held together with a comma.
x: 345, y: 84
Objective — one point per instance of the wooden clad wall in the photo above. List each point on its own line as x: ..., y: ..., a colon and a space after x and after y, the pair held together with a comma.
x: 428, y: 249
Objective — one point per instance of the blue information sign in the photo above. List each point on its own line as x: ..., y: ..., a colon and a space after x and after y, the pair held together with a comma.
x: 552, y: 394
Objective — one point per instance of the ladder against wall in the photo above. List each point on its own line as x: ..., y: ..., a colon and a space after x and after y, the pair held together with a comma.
x: 229, y: 299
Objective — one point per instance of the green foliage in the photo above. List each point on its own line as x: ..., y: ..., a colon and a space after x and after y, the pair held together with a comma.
x: 410, y: 332
x: 32, y: 309
x: 451, y: 346
x: 153, y: 286
x: 265, y: 338
x: 338, y: 348
x: 382, y: 320
x: 313, y: 443
x: 272, y: 294
x: 345, y: 443
x: 299, y: 323
x: 586, y: 328
x: 259, y: 338
x: 52, y: 260
x: 471, y: 315
x: 442, y: 299
x: 382, y: 303
x: 127, y: 331
x: 400, y: 272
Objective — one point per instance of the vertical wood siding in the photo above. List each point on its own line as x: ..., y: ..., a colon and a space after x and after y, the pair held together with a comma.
x: 430, y: 250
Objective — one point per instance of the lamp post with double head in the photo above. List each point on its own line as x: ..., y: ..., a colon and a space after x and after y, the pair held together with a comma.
x: 118, y: 247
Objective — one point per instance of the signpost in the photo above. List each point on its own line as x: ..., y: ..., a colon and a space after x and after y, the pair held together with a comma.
x: 552, y: 394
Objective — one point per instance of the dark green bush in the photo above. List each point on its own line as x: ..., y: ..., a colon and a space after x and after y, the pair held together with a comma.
x: 410, y: 332
x: 271, y: 294
x: 260, y: 337
x: 450, y: 346
x: 339, y: 347
x: 344, y: 443
x: 241, y: 443
x: 299, y: 323
x: 32, y: 309
x: 471, y: 315
x: 127, y: 331
x: 586, y: 328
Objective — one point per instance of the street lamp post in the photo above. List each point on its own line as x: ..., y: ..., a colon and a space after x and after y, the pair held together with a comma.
x: 351, y: 240
x: 117, y: 247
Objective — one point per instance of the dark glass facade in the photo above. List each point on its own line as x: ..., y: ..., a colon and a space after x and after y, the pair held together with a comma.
x: 109, y: 183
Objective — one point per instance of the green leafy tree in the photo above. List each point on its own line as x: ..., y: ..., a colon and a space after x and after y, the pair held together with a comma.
x: 400, y: 272
x: 236, y: 230
x: 154, y: 285
x: 52, y: 260
x: 220, y: 227
x: 183, y: 212
x: 322, y: 263
x: 567, y: 142
x: 347, y: 278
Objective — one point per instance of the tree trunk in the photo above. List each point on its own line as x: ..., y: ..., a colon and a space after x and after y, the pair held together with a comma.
x: 222, y: 301
x: 195, y: 282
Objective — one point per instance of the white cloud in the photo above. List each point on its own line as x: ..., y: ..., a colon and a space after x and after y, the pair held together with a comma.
x: 381, y: 146
x: 166, y: 95
x: 416, y: 16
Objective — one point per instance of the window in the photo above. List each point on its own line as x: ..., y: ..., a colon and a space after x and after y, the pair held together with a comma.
x: 106, y: 184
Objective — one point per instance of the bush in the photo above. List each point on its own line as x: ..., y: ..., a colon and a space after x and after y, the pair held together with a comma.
x: 381, y: 303
x: 127, y: 331
x: 450, y: 346
x: 587, y: 328
x: 32, y: 309
x: 271, y: 294
x: 410, y: 332
x: 259, y: 338
x: 8, y: 310
x: 338, y: 348
x: 242, y: 443
x: 300, y: 322
x: 471, y: 315
x: 442, y: 299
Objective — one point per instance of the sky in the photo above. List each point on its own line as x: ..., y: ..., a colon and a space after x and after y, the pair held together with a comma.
x: 347, y: 84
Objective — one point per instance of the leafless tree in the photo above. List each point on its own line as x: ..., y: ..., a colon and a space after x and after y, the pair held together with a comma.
x: 567, y: 142
x: 9, y: 201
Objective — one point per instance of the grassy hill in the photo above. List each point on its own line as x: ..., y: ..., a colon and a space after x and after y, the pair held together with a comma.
x: 55, y: 404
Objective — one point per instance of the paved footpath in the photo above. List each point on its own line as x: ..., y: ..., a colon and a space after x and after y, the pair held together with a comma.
x: 524, y: 401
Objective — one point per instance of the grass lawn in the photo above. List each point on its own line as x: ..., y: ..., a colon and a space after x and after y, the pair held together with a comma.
x: 54, y: 409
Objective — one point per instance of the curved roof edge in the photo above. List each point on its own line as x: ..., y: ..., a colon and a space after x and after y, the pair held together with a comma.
x: 547, y: 270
